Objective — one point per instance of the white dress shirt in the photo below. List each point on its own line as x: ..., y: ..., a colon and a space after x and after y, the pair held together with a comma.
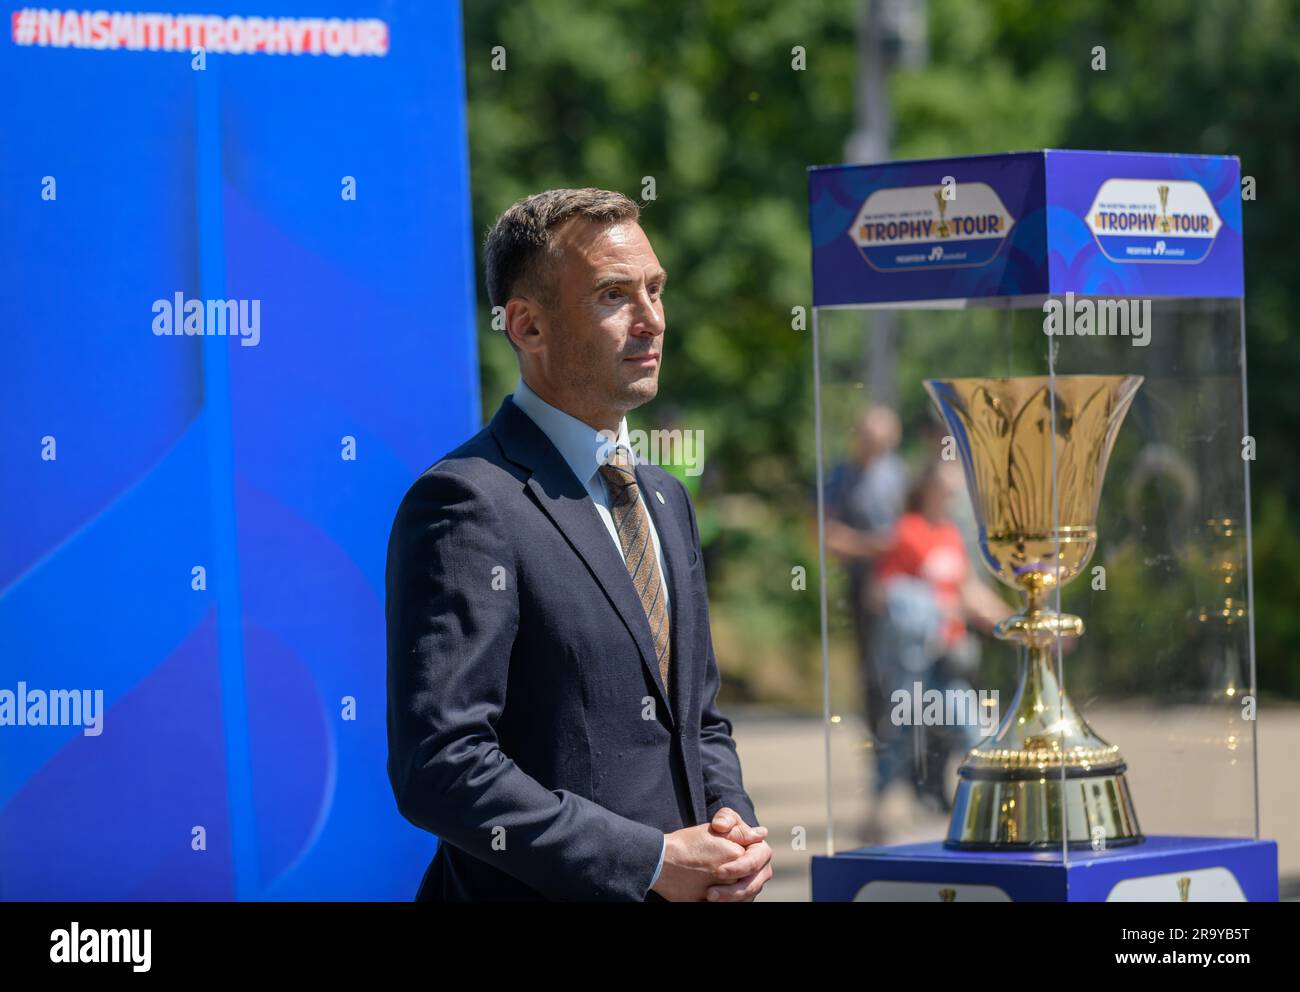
x: 582, y: 447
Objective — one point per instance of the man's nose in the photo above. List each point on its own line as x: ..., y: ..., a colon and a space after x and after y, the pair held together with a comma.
x: 649, y: 319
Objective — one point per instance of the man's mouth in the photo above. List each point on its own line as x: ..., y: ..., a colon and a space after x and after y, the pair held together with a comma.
x: 647, y: 359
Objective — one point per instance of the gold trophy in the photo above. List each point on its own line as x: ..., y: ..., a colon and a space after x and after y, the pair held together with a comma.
x: 1165, y: 226
x: 1035, y: 450
x: 942, y: 230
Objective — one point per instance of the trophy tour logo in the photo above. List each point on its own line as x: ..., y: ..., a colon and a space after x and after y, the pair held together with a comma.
x: 1148, y: 220
x: 953, y: 225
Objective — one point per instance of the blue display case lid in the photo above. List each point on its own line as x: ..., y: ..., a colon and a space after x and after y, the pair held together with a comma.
x: 1015, y: 228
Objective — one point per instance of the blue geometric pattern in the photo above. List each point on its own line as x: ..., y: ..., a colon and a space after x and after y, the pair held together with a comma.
x: 223, y: 707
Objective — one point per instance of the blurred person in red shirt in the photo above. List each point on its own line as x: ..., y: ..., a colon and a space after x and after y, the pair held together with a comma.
x: 925, y: 593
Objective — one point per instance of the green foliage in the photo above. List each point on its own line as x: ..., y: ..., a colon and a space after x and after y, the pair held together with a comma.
x: 702, y: 97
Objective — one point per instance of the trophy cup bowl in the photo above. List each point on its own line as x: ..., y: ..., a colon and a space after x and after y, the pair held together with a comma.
x: 1034, y: 450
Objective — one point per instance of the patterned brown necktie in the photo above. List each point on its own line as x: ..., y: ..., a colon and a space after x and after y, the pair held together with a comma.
x: 632, y: 524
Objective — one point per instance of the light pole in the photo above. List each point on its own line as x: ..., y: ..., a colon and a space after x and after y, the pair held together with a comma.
x: 891, y: 34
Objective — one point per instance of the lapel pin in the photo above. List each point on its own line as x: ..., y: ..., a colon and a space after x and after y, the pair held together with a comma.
x: 660, y: 495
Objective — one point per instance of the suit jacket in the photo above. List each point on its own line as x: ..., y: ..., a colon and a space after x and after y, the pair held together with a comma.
x: 528, y: 727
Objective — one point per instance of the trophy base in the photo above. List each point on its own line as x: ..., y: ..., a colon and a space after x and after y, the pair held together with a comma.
x: 1025, y: 814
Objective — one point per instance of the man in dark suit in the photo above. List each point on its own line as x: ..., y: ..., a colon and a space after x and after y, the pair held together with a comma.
x: 552, y: 685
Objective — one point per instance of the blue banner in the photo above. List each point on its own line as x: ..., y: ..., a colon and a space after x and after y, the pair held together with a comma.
x: 239, y: 322
x: 1026, y: 224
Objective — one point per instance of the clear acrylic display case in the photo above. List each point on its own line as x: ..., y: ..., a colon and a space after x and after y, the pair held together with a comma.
x: 1163, y: 673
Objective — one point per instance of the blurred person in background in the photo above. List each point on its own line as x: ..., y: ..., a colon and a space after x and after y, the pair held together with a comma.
x: 864, y: 497
x: 924, y: 595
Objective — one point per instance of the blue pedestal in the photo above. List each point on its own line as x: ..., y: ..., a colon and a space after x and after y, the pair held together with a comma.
x: 1161, y: 869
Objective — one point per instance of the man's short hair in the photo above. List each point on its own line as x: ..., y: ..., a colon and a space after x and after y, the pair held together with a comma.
x: 517, y: 253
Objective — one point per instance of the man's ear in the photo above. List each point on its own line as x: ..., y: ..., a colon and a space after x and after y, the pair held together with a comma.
x: 525, y: 323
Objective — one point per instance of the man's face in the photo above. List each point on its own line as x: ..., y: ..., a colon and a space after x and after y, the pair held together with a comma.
x: 947, y: 484
x: 603, y: 340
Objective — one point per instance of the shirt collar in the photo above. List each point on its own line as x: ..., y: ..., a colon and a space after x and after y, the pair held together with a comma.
x: 583, y: 448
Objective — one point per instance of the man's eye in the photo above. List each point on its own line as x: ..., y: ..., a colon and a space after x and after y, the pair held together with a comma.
x: 613, y: 294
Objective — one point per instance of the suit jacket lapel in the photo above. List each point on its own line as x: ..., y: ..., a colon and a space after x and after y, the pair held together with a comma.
x: 564, y: 499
